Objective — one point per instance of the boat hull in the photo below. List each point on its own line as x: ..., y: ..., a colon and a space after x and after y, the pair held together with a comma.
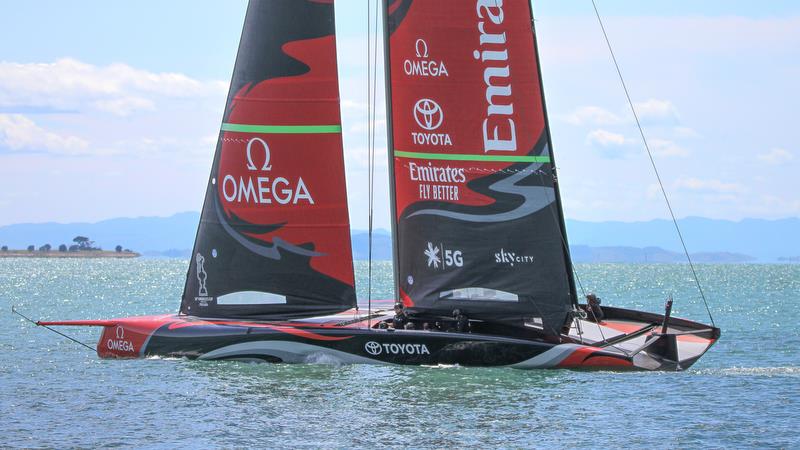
x: 341, y: 339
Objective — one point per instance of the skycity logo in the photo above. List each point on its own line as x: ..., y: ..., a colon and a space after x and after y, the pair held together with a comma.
x: 375, y: 349
x: 440, y: 258
x: 423, y: 66
x: 429, y: 116
x: 262, y: 189
x: 511, y: 258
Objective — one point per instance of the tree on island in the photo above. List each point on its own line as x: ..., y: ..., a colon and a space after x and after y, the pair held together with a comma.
x: 62, y: 248
x: 31, y: 248
x: 84, y: 243
x: 4, y: 248
x: 45, y: 248
x: 73, y: 248
x: 118, y: 249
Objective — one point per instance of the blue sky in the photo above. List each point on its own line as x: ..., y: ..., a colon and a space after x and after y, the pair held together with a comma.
x: 111, y: 109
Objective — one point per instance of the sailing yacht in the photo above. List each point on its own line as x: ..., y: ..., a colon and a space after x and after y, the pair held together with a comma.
x: 481, y: 258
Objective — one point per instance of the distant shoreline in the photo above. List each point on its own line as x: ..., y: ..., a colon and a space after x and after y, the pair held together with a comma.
x: 79, y: 254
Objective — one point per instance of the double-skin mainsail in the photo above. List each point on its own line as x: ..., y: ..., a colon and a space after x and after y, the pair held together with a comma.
x: 478, y: 217
x: 274, y: 234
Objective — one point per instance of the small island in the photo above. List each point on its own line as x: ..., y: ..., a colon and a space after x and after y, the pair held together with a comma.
x: 83, y: 247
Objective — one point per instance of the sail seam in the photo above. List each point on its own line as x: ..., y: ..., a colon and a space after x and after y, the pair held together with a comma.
x: 467, y: 157
x: 281, y: 129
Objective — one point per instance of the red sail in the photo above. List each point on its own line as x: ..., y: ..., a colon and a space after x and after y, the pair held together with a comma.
x: 274, y: 238
x: 478, y: 219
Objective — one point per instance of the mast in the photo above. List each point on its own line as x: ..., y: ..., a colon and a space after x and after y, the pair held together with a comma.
x: 389, y: 142
x: 559, y: 208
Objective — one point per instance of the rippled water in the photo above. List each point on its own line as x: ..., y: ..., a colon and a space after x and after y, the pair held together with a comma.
x: 53, y: 393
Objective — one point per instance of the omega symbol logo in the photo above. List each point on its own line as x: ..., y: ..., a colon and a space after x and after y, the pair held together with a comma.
x: 422, y: 48
x: 373, y: 348
x: 428, y: 114
x: 250, y: 164
x: 120, y: 332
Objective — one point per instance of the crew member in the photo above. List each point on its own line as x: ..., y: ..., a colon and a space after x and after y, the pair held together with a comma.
x: 593, y: 307
x: 462, y: 322
x: 400, y: 318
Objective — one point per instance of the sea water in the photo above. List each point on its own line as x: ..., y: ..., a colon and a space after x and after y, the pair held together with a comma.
x: 745, y: 392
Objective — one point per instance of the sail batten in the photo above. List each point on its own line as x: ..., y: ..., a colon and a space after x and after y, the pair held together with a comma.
x: 476, y: 207
x: 274, y: 235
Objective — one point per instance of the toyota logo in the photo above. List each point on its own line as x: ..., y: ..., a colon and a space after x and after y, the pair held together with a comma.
x: 120, y: 332
x: 373, y: 348
x: 428, y: 114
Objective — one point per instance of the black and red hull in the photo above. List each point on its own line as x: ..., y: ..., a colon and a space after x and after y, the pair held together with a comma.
x: 348, y: 338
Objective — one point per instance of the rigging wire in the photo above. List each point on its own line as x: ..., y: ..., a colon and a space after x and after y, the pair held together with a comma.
x: 14, y: 310
x: 369, y: 174
x: 372, y: 86
x: 653, y: 163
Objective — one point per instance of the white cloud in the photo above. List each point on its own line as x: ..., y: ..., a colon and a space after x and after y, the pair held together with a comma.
x: 604, y: 138
x: 19, y: 133
x: 116, y: 88
x: 610, y: 145
x: 124, y: 106
x: 652, y: 111
x: 666, y: 148
x: 655, y: 111
x: 592, y: 115
x: 776, y: 156
x: 574, y: 40
x: 710, y: 186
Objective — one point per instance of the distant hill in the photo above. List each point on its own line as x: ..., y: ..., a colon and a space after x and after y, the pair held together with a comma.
x: 146, y: 235
x: 586, y: 254
x: 709, y: 240
x: 766, y: 240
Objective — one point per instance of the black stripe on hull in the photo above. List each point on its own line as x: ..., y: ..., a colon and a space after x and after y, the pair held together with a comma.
x: 364, y: 346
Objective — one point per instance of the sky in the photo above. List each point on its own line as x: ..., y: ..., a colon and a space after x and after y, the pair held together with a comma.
x: 112, y: 109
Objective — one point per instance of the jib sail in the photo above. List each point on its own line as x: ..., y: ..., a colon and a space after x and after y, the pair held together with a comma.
x: 274, y: 237
x: 478, y: 217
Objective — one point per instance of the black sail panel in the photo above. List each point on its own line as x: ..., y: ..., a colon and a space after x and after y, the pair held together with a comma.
x: 478, y: 216
x: 274, y: 237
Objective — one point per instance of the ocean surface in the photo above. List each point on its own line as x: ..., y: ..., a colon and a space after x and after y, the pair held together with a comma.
x: 745, y: 392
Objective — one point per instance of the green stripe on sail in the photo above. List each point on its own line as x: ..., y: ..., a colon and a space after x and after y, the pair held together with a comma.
x: 461, y: 157
x: 281, y: 129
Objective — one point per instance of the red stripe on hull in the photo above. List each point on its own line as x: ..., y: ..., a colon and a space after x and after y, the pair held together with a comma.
x: 591, y: 358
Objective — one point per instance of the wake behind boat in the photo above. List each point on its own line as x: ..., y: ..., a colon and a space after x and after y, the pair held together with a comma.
x: 483, y: 273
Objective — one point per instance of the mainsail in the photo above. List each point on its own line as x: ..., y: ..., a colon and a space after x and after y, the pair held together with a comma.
x: 478, y: 217
x: 274, y: 235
